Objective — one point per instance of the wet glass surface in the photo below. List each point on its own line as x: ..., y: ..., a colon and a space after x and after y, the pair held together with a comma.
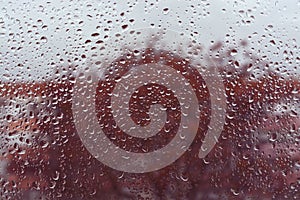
x: 149, y: 100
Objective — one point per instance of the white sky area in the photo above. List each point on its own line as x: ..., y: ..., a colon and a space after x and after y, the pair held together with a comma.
x: 36, y: 36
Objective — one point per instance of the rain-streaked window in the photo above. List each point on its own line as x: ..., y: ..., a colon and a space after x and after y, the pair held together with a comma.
x: 149, y: 100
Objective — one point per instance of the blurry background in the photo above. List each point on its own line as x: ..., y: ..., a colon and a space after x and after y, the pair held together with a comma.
x: 255, y: 45
x: 37, y: 36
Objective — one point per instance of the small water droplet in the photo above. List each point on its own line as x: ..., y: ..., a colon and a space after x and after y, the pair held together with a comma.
x: 233, y: 52
x: 166, y: 11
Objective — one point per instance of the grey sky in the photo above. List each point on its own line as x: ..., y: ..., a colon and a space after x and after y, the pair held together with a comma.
x: 37, y: 36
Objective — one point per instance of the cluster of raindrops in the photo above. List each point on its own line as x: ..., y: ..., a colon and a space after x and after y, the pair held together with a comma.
x: 46, y: 46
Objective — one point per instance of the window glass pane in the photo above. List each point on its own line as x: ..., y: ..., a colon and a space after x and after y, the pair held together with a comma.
x: 149, y: 99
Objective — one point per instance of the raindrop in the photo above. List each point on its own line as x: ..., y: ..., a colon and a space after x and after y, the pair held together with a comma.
x: 166, y: 11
